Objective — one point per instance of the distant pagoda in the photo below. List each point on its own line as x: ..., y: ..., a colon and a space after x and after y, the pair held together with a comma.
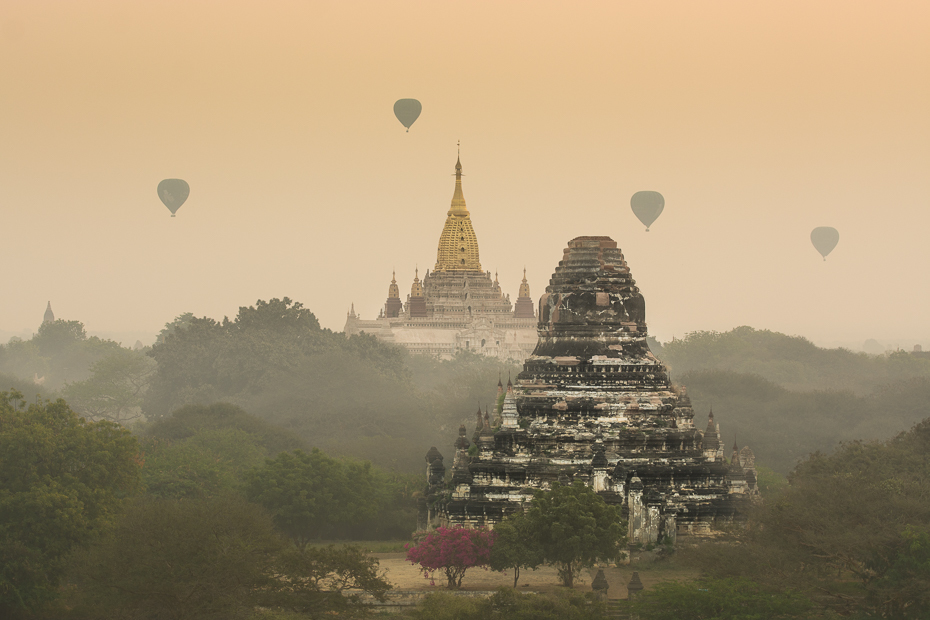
x: 594, y: 404
x: 457, y: 306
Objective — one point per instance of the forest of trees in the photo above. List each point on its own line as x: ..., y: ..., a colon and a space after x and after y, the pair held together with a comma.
x: 275, y: 434
x: 361, y: 398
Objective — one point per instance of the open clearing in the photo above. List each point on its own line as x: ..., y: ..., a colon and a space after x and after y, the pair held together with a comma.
x: 405, y: 576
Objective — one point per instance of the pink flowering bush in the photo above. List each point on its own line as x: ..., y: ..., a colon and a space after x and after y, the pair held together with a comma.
x: 453, y: 550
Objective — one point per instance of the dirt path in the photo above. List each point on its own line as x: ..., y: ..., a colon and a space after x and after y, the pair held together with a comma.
x: 405, y: 576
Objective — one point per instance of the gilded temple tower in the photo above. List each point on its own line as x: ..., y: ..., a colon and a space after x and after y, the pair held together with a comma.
x: 458, y: 245
x: 457, y: 305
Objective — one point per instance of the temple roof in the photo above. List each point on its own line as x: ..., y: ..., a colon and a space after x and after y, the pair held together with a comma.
x: 458, y: 245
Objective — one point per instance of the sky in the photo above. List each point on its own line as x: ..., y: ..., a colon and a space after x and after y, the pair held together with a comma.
x: 756, y: 121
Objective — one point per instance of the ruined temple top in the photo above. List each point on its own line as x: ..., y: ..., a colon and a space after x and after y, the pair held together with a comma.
x: 592, y: 359
x: 458, y: 245
x: 592, y: 306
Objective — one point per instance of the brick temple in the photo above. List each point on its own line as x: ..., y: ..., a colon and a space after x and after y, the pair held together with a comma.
x: 594, y: 404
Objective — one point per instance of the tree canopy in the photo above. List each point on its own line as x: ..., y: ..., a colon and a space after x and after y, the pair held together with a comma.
x: 61, y: 480
x: 180, y: 559
x: 453, y: 551
x: 851, y: 528
x: 514, y: 546
x: 115, y: 389
x: 790, y: 361
x: 574, y: 527
x: 59, y: 353
x: 218, y: 557
x: 312, y: 495
x: 353, y: 396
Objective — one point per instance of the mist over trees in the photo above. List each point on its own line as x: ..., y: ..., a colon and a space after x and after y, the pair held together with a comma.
x: 786, y: 398
x: 850, y: 533
x: 59, y: 353
x: 366, y: 399
x: 354, y: 396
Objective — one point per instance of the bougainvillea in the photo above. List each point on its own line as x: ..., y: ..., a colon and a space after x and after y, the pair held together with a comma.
x: 452, y: 550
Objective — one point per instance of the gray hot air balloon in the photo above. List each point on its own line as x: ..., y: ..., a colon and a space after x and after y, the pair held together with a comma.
x: 825, y: 239
x: 173, y: 192
x: 647, y: 206
x: 407, y: 111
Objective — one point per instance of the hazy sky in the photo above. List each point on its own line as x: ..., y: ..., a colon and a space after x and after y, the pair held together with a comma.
x: 757, y: 122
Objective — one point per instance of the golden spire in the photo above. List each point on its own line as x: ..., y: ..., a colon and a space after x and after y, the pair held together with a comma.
x: 393, y: 290
x: 524, y: 286
x: 458, y: 245
x: 416, y: 290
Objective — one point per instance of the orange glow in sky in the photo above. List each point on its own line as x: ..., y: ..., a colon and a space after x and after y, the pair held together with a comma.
x: 756, y: 121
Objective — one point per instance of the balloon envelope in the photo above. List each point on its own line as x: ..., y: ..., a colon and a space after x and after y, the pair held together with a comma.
x: 647, y: 206
x: 825, y: 239
x: 173, y: 192
x: 407, y: 111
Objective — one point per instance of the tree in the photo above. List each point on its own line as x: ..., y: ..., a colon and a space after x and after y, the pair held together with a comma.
x: 115, y: 389
x: 310, y: 494
x: 182, y: 321
x: 851, y: 528
x: 194, y: 419
x: 214, y: 558
x: 514, y: 546
x: 322, y: 581
x: 209, y: 463
x: 574, y: 528
x: 203, y: 559
x: 56, y: 336
x: 453, y: 551
x: 62, y: 479
x: 719, y: 599
x: 58, y: 353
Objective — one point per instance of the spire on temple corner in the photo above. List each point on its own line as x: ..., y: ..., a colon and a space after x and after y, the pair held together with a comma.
x: 416, y: 304
x: 393, y: 306
x: 49, y: 315
x: 524, y: 308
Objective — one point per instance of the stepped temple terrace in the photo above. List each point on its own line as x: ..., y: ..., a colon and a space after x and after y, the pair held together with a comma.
x: 456, y: 306
x: 593, y: 404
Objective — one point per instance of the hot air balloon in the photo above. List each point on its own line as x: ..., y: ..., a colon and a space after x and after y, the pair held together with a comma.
x: 647, y: 206
x: 825, y: 239
x: 173, y: 192
x: 407, y: 111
